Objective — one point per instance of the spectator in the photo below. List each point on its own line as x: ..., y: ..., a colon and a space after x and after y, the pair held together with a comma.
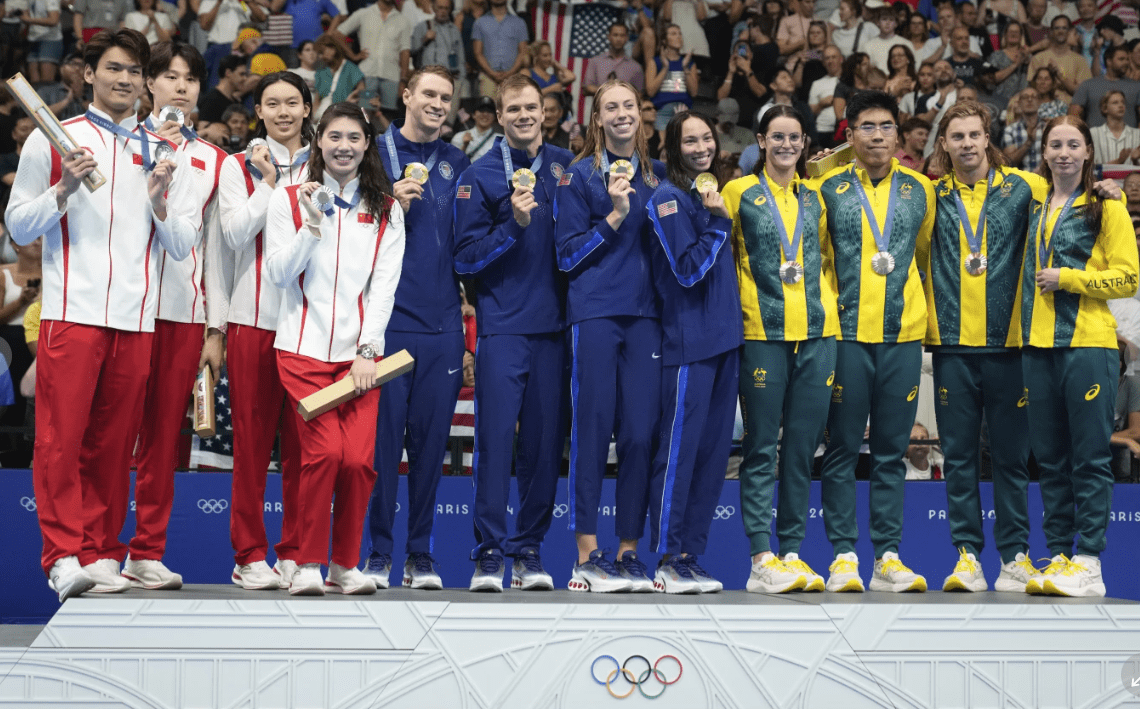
x: 19, y: 287
x: 948, y: 19
x: 821, y: 97
x: 748, y: 62
x: 653, y: 136
x: 1132, y: 192
x: 968, y: 69
x: 10, y: 161
x: 848, y: 30
x: 385, y: 49
x: 733, y: 138
x: 915, y: 102
x: 478, y: 140
x: 68, y: 97
x: 879, y: 48
x: 1087, y: 100
x: 1114, y: 142
x: 918, y: 32
x: 45, y: 39
x: 307, y: 56
x: 472, y: 11
x: 229, y: 89
x: 418, y: 11
x: 339, y: 80
x: 308, y: 18
x: 919, y: 458
x: 1036, y: 29
x: 792, y: 33
x: 915, y: 132
x: 639, y: 21
x: 223, y: 20
x: 156, y: 25
x: 945, y: 96
x: 807, y: 65
x: 89, y: 17
x: 1070, y: 67
x: 670, y: 79
x: 1054, y: 101
x: 499, y: 42
x: 999, y: 15
x: 1126, y: 422
x: 550, y: 76
x: 1021, y: 141
x: 614, y: 63
x: 439, y: 41
x: 689, y: 15
x: 903, y: 77
x: 236, y: 119
x: 1005, y: 72
x: 782, y: 90
x: 969, y: 18
x: 1134, y: 60
x: 552, y: 114
x: 1084, y: 29
x: 852, y: 77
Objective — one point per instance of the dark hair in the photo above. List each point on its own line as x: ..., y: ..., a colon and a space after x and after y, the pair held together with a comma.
x: 230, y: 63
x: 162, y: 55
x: 132, y: 42
x: 434, y: 70
x: 862, y: 101
x: 1114, y: 50
x: 1111, y: 22
x: 909, y: 68
x: 1060, y: 17
x: 516, y: 82
x: 375, y: 188
x: 782, y: 111
x: 1095, y: 207
x: 616, y: 25
x: 913, y: 124
x: 296, y: 82
x: 674, y: 168
x: 775, y: 71
x: 301, y: 46
x: 850, y: 66
x: 232, y: 109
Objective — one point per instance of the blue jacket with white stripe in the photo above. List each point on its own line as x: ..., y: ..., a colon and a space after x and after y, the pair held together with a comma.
x: 519, y: 289
x: 609, y: 270
x: 695, y: 276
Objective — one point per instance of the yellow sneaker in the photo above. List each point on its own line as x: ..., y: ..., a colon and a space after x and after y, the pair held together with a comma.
x: 772, y: 576
x: 967, y: 575
x: 1080, y: 579
x: 1036, y: 586
x: 814, y: 580
x: 893, y: 576
x: 1016, y: 576
x: 845, y: 574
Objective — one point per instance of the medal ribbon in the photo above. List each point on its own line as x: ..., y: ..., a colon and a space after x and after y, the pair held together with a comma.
x: 974, y: 238
x: 791, y: 246
x: 125, y: 134
x: 298, y: 160
x: 1045, y: 253
x: 882, y: 238
x: 337, y: 201
x: 509, y: 167
x: 187, y: 133
x: 394, y: 159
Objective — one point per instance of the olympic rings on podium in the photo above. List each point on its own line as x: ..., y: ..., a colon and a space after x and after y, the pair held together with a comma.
x: 637, y: 682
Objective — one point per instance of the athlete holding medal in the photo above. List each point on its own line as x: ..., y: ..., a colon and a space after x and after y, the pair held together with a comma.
x: 693, y: 271
x: 879, y: 220
x: 788, y: 299
x: 1082, y: 252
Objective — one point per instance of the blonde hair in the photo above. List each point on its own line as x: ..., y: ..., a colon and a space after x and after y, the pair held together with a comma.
x: 964, y: 109
x: 594, y: 140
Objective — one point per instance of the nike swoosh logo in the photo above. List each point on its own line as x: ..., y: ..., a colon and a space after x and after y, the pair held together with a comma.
x: 655, y: 356
x: 453, y: 371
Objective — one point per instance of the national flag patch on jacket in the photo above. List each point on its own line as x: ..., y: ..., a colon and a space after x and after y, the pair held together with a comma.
x: 463, y: 192
x: 664, y: 210
x: 198, y: 163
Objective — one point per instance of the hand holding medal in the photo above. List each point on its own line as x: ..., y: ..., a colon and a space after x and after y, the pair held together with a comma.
x: 257, y: 155
x: 522, y: 199
x: 171, y: 119
x: 313, y: 198
x: 411, y: 187
x: 706, y: 185
x: 158, y: 182
x: 620, y: 175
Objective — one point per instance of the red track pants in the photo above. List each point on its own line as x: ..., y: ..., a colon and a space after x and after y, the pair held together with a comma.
x: 90, y: 384
x: 337, y: 448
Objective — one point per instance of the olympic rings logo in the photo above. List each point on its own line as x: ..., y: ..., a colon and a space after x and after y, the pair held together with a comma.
x: 560, y: 510
x: 724, y: 512
x: 28, y: 503
x: 213, y: 507
x: 641, y: 680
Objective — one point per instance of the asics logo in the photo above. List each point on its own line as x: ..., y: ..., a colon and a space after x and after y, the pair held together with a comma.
x: 724, y: 512
x: 213, y: 507
x: 28, y: 503
x: 831, y: 379
x: 641, y: 679
x: 1091, y: 393
x: 561, y: 510
x: 913, y: 393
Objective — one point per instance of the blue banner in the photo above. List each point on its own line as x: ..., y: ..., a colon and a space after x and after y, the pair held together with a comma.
x: 199, y: 541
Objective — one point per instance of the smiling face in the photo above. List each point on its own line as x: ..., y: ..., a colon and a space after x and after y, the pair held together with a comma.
x: 342, y: 146
x: 117, y: 81
x: 917, y: 27
x: 783, y: 143
x: 1066, y: 151
x: 283, y: 110
x: 965, y: 140
x: 308, y: 55
x: 619, y: 115
x: 899, y: 59
x: 521, y: 116
x: 698, y: 147
x: 429, y: 101
x: 551, y: 112
x: 176, y: 86
x: 674, y: 39
x: 1012, y: 36
x: 873, y: 150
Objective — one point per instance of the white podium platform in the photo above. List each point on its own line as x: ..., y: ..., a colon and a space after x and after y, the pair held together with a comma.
x: 219, y: 646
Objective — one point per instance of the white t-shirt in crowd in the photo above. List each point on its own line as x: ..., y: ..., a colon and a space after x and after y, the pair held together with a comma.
x: 821, y: 89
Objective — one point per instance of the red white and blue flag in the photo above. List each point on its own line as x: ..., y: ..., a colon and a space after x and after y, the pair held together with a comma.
x: 576, y: 31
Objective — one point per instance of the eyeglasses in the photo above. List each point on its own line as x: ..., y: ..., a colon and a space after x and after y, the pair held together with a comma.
x: 793, y: 138
x: 868, y: 130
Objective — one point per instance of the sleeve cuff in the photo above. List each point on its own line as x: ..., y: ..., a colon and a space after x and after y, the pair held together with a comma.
x: 606, y: 231
x: 1067, y: 277
x: 721, y: 223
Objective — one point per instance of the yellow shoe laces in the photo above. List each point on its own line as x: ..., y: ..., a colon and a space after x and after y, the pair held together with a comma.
x: 800, y: 566
x: 965, y: 564
x: 1073, y: 568
x: 1055, y: 567
x: 890, y: 565
x: 844, y: 566
x: 1030, y: 569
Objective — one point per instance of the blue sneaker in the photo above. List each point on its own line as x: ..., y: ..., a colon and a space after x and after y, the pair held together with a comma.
x: 488, y: 572
x: 419, y: 572
x: 527, y: 573
x: 598, y: 575
x: 379, y: 566
x: 707, y: 582
x: 634, y: 570
x: 674, y: 576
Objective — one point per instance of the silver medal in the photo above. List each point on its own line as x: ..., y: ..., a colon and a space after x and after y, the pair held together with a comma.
x: 322, y: 198
x: 791, y: 272
x: 882, y: 263
x: 254, y: 143
x: 163, y: 151
x: 976, y: 264
x: 171, y: 113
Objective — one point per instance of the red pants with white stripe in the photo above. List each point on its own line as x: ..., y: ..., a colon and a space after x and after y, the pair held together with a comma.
x: 337, y: 448
x: 177, y: 349
x: 90, y: 383
x: 257, y: 403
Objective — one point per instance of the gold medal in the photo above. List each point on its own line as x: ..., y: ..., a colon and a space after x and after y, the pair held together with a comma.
x: 416, y: 172
x: 622, y: 168
x: 706, y: 181
x: 524, y: 179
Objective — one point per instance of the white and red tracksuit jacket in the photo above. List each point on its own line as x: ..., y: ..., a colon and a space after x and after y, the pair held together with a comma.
x: 101, y: 255
x: 243, y: 203
x: 339, y: 290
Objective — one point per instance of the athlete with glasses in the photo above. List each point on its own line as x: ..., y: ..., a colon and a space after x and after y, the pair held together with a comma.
x: 879, y: 219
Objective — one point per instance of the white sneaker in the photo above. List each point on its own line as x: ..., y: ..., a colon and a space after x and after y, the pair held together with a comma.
x: 68, y: 579
x: 348, y: 581
x: 151, y: 574
x: 769, y: 575
x: 285, y: 569
x: 1016, y: 575
x: 967, y: 575
x: 255, y: 577
x: 793, y: 562
x: 893, y: 576
x: 1035, y: 586
x: 844, y: 576
x: 105, y: 574
x: 308, y: 582
x: 1080, y: 579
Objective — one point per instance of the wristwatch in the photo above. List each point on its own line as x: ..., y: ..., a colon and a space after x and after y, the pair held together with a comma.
x: 368, y: 351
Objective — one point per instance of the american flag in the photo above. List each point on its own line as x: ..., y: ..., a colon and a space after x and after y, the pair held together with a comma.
x: 217, y: 451
x: 576, y: 31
